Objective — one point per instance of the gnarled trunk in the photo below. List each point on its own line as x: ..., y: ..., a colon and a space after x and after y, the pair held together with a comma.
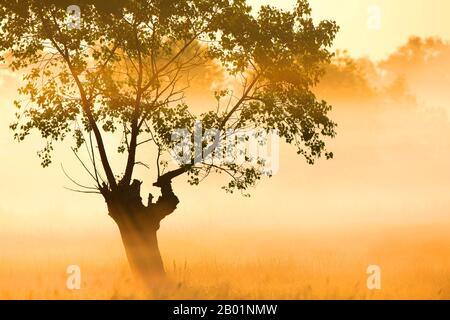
x: 138, y: 225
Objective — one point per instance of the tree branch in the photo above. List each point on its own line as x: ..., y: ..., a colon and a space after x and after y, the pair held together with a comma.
x: 85, y: 104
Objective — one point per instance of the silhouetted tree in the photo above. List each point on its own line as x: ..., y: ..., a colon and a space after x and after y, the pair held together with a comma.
x: 124, y: 71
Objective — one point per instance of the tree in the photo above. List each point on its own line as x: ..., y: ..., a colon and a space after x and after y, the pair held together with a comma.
x: 348, y: 79
x: 124, y: 71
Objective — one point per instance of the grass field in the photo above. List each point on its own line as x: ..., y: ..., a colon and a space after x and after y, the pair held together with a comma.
x: 414, y: 262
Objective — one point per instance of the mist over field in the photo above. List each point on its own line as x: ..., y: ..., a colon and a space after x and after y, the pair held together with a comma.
x: 308, y: 232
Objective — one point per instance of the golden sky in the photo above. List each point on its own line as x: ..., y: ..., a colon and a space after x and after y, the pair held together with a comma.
x: 399, y: 20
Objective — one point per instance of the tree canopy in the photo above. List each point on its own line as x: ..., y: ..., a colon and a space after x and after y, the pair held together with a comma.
x: 126, y: 69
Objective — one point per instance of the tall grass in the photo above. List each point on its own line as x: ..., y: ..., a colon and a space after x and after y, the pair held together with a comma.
x: 415, y: 264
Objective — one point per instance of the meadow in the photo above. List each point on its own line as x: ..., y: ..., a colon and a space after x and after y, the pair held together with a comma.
x: 414, y: 262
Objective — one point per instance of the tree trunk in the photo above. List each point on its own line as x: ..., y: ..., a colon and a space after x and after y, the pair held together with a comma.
x: 138, y: 225
x: 141, y: 247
